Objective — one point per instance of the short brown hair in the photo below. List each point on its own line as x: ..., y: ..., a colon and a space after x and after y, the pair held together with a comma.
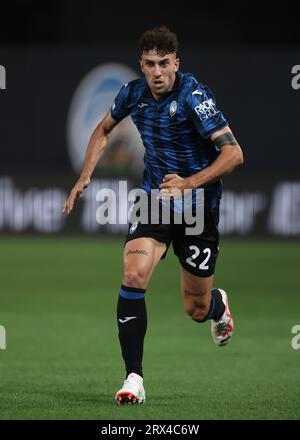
x: 161, y: 39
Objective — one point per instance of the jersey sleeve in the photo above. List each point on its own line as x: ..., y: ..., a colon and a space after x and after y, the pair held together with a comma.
x: 120, y: 108
x: 204, y: 112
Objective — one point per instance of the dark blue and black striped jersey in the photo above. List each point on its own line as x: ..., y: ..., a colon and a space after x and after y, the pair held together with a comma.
x: 175, y: 129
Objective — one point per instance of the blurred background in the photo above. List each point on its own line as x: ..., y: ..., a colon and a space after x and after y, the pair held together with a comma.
x: 61, y: 65
x: 64, y: 65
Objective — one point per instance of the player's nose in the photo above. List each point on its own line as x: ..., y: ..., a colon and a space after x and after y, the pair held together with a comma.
x: 157, y: 71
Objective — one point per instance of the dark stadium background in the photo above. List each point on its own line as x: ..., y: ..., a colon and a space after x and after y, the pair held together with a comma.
x: 244, y: 52
x: 58, y: 272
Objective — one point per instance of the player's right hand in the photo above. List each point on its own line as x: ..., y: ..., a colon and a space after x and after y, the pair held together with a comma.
x: 77, y: 191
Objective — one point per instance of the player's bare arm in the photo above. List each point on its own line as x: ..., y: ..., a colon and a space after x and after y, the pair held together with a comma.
x: 230, y: 157
x: 95, y: 149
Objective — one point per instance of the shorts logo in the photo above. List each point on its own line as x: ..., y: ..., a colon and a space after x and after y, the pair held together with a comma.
x: 206, y: 110
x: 133, y: 227
x: 173, y: 108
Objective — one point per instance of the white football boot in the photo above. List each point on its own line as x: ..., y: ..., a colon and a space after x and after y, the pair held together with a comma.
x: 132, y: 390
x: 222, y: 329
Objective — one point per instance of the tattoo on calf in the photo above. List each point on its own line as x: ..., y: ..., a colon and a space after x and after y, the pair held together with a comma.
x: 189, y: 293
x: 225, y: 139
x: 138, y: 251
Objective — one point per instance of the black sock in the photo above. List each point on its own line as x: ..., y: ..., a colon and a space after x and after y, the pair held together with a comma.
x: 132, y: 323
x: 217, y: 307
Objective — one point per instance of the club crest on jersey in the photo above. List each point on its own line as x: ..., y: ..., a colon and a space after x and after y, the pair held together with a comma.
x: 173, y: 108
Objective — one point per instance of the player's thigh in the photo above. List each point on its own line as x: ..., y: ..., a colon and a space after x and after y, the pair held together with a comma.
x: 141, y: 255
x: 198, y: 254
x: 197, y: 271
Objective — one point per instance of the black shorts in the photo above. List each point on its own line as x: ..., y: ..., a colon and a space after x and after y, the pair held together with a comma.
x: 196, y: 253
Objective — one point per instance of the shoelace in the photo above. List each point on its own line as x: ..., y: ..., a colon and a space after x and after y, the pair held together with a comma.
x: 221, y: 327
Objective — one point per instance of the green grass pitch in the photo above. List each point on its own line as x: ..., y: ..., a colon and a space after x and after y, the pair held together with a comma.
x: 62, y: 361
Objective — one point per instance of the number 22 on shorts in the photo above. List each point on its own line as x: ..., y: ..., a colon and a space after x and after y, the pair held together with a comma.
x: 203, y: 265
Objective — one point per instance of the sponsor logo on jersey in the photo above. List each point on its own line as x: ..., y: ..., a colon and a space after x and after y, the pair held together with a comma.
x: 206, y: 110
x: 173, y: 108
x: 142, y: 105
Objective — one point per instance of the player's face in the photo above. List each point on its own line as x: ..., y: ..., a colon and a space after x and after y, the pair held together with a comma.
x: 159, y: 70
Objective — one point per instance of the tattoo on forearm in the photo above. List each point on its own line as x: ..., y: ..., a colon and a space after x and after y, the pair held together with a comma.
x: 225, y: 139
x: 138, y: 251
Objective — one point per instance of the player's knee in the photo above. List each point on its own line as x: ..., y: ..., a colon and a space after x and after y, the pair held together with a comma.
x: 135, y: 277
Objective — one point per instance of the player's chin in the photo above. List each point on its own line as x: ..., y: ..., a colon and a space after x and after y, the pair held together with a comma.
x: 160, y: 91
x: 159, y: 87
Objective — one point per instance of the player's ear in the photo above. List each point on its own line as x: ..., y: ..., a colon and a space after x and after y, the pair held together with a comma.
x: 177, y: 63
x: 141, y: 65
